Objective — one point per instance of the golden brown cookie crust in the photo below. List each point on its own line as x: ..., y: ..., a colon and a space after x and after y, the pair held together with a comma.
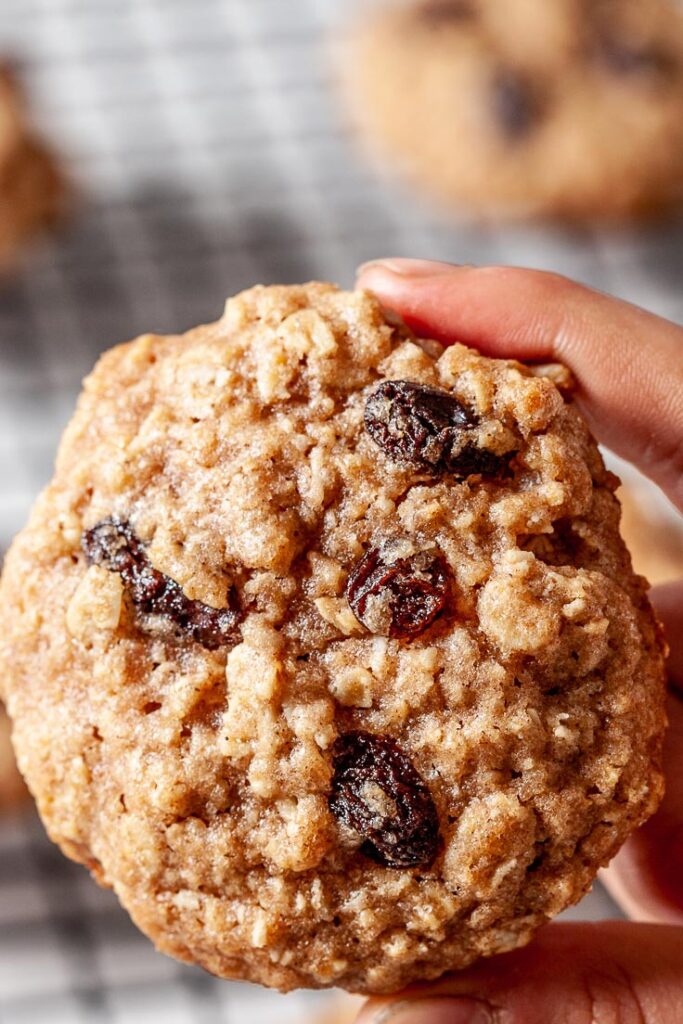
x: 196, y: 782
x: 559, y: 108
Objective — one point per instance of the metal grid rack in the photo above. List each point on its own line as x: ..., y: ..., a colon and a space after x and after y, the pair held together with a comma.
x: 209, y: 152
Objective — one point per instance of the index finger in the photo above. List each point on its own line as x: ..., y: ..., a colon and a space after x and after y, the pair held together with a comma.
x: 628, y: 362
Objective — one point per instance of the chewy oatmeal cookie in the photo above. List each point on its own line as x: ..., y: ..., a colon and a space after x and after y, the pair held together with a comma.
x: 565, y: 108
x: 323, y: 649
x: 32, y: 192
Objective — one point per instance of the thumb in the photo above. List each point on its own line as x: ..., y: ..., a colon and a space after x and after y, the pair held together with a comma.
x: 627, y: 362
x: 612, y: 972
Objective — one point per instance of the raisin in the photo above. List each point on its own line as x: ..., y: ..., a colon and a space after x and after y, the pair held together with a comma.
x: 428, y: 429
x: 436, y: 13
x: 112, y: 544
x: 377, y: 792
x: 397, y: 597
x: 515, y: 103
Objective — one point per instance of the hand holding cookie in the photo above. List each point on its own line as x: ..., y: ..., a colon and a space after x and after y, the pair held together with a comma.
x: 629, y: 369
x: 323, y: 648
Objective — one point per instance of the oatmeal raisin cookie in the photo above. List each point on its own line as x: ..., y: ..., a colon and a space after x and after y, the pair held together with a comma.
x: 323, y: 649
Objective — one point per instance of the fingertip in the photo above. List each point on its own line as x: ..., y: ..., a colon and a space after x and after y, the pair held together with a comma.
x: 406, y: 267
x: 428, y: 295
x: 494, y: 308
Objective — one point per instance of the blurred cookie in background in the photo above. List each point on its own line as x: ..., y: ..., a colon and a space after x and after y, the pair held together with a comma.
x: 653, y: 533
x: 570, y: 109
x: 32, y: 189
x: 12, y: 788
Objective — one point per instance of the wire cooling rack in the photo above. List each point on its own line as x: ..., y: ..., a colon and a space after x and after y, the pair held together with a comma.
x: 208, y: 152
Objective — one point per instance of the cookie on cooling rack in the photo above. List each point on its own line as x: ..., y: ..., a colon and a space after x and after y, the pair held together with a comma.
x: 566, y: 108
x: 32, y: 190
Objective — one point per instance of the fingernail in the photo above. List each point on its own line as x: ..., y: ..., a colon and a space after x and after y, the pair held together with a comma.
x: 434, y: 1011
x: 408, y: 268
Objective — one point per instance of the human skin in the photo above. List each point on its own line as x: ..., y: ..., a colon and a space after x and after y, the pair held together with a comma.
x: 628, y: 366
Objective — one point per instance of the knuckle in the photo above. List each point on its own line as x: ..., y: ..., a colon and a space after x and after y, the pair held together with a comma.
x: 612, y: 997
x: 555, y: 281
x: 544, y: 284
x: 549, y: 285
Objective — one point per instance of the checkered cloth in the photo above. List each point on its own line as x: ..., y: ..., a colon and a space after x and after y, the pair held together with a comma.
x: 209, y: 153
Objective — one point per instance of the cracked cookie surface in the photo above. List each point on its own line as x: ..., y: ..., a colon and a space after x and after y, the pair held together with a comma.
x: 438, y: 708
x: 565, y: 108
